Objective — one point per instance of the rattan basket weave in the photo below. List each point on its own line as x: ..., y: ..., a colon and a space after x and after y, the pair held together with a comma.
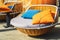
x: 36, y: 32
x: 40, y: 31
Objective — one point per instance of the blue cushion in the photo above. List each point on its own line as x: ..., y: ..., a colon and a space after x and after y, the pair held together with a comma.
x: 10, y: 7
x: 30, y: 13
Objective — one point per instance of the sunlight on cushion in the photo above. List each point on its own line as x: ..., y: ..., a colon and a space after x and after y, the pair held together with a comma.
x: 43, y: 17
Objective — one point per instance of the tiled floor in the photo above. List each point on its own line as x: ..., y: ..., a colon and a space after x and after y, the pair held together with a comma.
x: 16, y: 35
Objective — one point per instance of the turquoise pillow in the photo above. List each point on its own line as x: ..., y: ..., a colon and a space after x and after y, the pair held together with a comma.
x: 10, y: 7
x: 30, y: 13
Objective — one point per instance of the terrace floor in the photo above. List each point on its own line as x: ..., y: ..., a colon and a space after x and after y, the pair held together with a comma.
x: 16, y: 35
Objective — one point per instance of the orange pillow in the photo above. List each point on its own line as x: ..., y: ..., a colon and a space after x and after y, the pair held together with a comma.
x: 43, y: 17
x: 4, y: 8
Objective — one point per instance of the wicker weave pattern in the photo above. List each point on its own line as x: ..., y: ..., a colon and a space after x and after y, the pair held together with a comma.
x: 35, y: 32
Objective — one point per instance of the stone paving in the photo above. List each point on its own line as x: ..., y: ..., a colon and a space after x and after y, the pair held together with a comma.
x: 16, y: 35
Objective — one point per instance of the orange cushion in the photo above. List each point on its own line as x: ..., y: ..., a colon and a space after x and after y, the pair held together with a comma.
x: 43, y: 17
x: 4, y: 8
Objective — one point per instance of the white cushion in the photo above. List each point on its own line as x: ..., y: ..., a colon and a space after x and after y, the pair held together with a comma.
x: 27, y: 23
x: 22, y: 23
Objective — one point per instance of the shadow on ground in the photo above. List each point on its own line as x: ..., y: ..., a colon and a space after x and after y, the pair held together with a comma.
x: 55, y: 34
